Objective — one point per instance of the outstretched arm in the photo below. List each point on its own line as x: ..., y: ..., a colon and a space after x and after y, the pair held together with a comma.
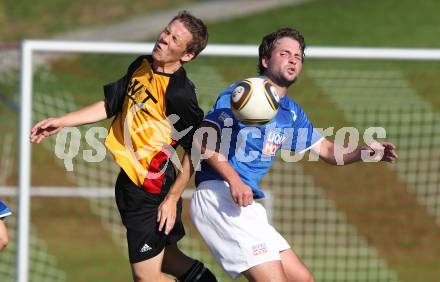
x: 334, y: 154
x: 47, y: 127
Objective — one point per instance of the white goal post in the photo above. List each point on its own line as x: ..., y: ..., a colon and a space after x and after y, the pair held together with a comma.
x: 30, y: 47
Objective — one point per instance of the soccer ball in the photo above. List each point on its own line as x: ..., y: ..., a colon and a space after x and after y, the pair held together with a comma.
x: 254, y: 101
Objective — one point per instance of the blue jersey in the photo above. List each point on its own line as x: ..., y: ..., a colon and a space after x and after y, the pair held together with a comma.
x: 4, y: 210
x: 251, y: 150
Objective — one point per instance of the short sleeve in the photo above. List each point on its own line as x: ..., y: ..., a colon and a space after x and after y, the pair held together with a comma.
x: 220, y: 118
x: 114, y: 94
x: 220, y: 114
x: 4, y: 210
x: 304, y: 135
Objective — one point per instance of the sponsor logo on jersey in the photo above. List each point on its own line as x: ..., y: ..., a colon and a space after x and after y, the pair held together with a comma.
x: 273, y: 141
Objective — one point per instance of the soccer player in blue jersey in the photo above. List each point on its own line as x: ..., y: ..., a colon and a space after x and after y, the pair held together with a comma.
x: 223, y: 209
x: 4, y: 212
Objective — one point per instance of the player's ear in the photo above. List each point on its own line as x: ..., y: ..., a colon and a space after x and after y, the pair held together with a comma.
x: 265, y: 62
x: 187, y: 57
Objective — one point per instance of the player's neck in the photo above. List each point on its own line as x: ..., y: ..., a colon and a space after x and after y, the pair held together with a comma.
x: 281, y: 91
x: 168, y: 68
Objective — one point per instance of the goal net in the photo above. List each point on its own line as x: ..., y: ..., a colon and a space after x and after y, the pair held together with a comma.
x: 362, y: 222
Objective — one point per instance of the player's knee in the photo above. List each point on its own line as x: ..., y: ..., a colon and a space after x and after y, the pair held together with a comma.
x: 3, y: 246
x: 308, y: 276
x: 140, y: 276
x: 3, y: 243
x: 304, y: 276
x: 141, y: 273
x: 198, y: 273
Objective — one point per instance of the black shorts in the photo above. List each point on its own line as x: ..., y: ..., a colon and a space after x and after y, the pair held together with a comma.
x: 138, y: 210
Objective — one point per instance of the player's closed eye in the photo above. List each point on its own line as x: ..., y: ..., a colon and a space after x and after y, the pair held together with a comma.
x: 166, y: 31
x: 176, y: 39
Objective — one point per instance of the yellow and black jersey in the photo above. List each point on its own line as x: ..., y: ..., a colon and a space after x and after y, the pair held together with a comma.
x: 152, y: 111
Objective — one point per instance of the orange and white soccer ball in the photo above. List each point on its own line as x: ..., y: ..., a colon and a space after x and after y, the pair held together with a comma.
x: 254, y: 101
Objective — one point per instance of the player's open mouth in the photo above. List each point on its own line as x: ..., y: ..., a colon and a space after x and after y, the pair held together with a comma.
x: 157, y: 47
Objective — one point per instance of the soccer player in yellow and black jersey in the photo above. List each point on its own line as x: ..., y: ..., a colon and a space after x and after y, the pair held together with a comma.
x: 155, y: 109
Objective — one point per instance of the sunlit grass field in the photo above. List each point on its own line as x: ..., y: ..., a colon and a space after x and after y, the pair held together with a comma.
x: 43, y: 19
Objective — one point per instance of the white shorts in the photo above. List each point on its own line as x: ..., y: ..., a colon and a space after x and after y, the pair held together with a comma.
x: 238, y: 237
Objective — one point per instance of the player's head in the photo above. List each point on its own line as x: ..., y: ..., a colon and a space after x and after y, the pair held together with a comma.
x: 181, y: 40
x: 198, y: 30
x: 281, y: 54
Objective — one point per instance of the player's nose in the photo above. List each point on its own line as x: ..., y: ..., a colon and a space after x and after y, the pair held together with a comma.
x: 162, y: 38
x: 166, y: 38
x: 292, y: 60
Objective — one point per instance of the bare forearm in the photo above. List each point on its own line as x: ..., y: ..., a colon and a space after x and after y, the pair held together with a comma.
x: 209, y: 149
x: 182, y: 179
x: 241, y: 193
x: 337, y: 155
x: 222, y: 166
x: 90, y: 114
x: 352, y: 157
x: 374, y: 152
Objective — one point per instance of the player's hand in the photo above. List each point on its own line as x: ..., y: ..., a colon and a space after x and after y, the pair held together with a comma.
x: 166, y: 214
x: 45, y: 128
x: 390, y: 153
x: 241, y: 194
x: 382, y: 151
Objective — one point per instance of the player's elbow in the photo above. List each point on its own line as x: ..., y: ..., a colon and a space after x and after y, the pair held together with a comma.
x: 329, y: 158
x: 332, y: 161
x: 4, y: 241
x: 326, y: 152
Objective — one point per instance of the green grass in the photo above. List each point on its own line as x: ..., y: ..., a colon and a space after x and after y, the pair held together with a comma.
x: 36, y: 19
x: 390, y: 23
x: 374, y: 23
x: 71, y: 231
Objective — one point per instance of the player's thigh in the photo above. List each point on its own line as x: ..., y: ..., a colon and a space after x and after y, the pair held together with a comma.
x: 149, y: 270
x: 271, y: 271
x: 294, y: 268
